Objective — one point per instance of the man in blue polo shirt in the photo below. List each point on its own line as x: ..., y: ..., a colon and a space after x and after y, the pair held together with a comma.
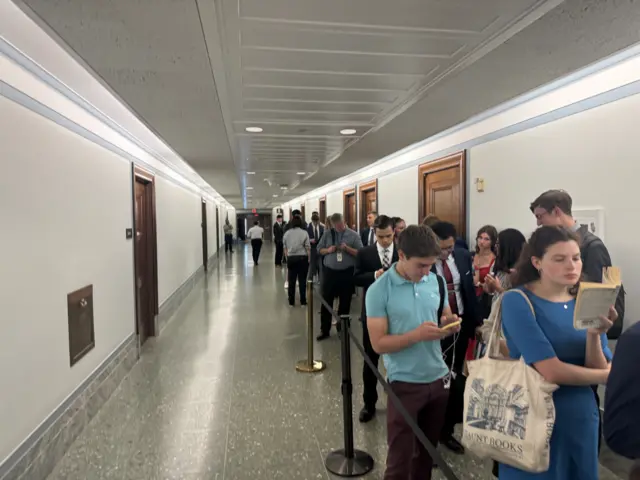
x: 402, y: 320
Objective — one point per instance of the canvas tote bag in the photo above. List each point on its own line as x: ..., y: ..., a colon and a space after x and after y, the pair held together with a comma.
x: 508, y: 407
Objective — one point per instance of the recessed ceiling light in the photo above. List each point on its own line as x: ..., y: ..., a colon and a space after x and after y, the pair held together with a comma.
x: 283, y: 188
x: 254, y: 129
x: 302, y: 173
x: 348, y: 131
x: 275, y: 196
x: 251, y: 173
x: 249, y: 188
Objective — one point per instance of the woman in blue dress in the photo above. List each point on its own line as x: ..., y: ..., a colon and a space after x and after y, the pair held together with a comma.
x: 548, y: 273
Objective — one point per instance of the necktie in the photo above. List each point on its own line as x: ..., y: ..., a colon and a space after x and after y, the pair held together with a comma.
x: 371, y: 236
x: 316, y: 233
x: 385, y: 259
x: 448, y: 277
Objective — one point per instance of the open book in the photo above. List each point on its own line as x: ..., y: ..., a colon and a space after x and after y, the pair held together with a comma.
x: 594, y: 299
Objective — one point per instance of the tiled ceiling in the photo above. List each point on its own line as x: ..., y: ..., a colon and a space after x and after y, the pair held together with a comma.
x: 200, y: 72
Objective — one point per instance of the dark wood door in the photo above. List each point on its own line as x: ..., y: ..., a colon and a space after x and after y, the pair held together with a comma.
x: 351, y: 212
x: 323, y: 210
x: 205, y: 241
x: 144, y: 259
x: 217, y: 229
x: 443, y: 196
x: 369, y: 204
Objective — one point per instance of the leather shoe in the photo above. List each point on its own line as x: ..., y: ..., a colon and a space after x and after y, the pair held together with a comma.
x: 367, y: 414
x: 322, y: 336
x: 452, y: 444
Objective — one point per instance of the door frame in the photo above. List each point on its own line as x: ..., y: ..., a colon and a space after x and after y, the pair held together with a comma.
x: 205, y: 235
x: 458, y: 159
x: 217, y: 229
x: 363, y: 189
x: 345, y: 202
x: 141, y: 175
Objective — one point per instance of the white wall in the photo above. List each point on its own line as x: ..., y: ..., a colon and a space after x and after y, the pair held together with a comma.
x: 335, y: 203
x: 65, y: 204
x: 178, y: 217
x: 211, y: 229
x: 312, y: 205
x: 398, y: 195
x: 592, y: 155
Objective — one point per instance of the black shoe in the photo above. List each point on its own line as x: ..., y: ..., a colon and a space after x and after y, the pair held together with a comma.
x: 322, y: 336
x: 452, y: 444
x: 367, y: 414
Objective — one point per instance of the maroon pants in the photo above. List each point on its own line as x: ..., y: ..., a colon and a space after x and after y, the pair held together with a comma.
x: 407, y: 459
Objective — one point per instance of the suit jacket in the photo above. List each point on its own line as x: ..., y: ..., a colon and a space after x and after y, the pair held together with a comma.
x: 367, y: 263
x: 464, y: 263
x: 312, y: 233
x: 278, y: 232
x: 364, y: 236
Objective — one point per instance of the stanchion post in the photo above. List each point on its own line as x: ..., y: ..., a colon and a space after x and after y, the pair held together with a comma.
x: 347, y: 461
x: 309, y: 365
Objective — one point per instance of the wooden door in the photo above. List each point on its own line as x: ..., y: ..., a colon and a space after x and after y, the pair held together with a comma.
x: 352, y: 212
x: 144, y: 259
x: 323, y: 210
x: 217, y: 229
x: 442, y: 191
x: 205, y: 245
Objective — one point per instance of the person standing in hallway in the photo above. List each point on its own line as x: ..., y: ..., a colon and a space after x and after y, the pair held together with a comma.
x: 228, y: 236
x: 405, y: 311
x: 278, y: 235
x: 315, y: 230
x: 339, y: 247
x: 255, y: 236
x: 398, y: 227
x: 368, y: 235
x: 456, y: 267
x: 296, y: 249
x: 371, y: 262
x: 554, y: 208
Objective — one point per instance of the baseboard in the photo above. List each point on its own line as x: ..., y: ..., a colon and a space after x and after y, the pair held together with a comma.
x: 37, y: 456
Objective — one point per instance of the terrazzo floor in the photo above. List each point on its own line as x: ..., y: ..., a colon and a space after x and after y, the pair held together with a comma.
x: 217, y: 396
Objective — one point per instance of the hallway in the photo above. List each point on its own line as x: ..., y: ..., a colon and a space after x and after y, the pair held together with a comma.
x: 216, y: 396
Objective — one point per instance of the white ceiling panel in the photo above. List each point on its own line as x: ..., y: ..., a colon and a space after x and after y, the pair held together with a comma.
x: 200, y: 72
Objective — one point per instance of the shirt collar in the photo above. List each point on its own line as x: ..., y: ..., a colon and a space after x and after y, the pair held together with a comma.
x: 381, y: 250
x: 398, y: 279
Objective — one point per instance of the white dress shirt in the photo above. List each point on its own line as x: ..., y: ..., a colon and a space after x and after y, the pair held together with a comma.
x: 456, y: 279
x: 255, y: 233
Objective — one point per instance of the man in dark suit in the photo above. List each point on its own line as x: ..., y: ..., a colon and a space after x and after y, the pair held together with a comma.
x: 371, y: 262
x: 278, y: 234
x: 367, y: 235
x: 315, y: 230
x: 455, y: 265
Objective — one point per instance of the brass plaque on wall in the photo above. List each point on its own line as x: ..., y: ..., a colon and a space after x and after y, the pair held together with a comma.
x: 81, y: 329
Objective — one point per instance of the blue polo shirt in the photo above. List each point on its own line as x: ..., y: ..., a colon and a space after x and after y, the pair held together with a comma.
x: 406, y: 305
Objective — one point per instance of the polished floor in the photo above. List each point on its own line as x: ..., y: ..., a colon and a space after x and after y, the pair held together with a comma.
x: 216, y: 396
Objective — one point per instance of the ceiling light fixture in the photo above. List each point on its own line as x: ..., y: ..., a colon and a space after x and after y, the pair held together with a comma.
x: 283, y: 188
x: 251, y: 173
x: 302, y: 173
x: 348, y: 131
x: 254, y: 129
x: 249, y: 188
x: 275, y: 196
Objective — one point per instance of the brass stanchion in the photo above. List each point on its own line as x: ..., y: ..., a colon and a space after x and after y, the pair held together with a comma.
x: 310, y: 365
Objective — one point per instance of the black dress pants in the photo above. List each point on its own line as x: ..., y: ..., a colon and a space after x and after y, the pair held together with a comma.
x: 369, y: 379
x: 336, y: 283
x: 279, y: 252
x: 228, y: 242
x: 297, y: 269
x: 256, y: 246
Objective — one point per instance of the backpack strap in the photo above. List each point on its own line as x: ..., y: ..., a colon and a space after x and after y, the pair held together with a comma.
x: 441, y: 289
x: 333, y: 236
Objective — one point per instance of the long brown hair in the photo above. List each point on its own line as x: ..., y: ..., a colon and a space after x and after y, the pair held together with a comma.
x: 537, y: 246
x: 492, y: 232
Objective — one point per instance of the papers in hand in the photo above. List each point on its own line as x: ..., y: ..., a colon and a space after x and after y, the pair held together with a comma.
x: 595, y: 299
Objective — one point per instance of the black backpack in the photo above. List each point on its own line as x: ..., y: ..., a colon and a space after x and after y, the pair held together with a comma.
x: 616, y: 330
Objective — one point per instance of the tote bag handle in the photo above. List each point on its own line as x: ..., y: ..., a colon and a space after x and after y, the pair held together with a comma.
x: 493, y: 348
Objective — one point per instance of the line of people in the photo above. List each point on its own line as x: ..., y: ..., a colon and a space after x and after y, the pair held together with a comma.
x: 419, y: 279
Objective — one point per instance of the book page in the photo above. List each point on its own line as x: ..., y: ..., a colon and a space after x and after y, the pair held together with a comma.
x: 592, y: 303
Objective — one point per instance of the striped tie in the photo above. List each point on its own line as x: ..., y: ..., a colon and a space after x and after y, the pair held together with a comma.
x: 385, y: 258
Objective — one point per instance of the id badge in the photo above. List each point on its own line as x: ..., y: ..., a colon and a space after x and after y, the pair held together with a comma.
x: 339, y: 256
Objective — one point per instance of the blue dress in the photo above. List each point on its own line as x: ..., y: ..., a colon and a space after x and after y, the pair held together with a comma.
x: 574, y: 441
